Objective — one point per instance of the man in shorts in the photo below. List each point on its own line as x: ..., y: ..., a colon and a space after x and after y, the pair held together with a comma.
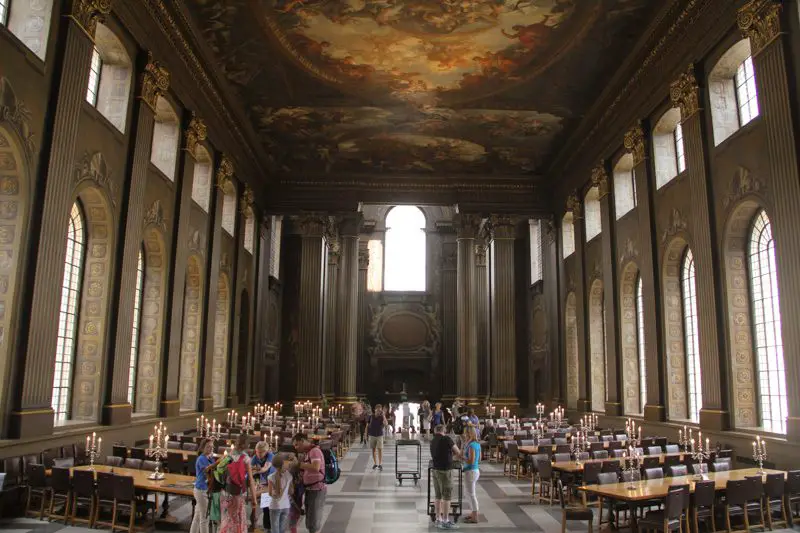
x: 376, y: 425
x: 313, y: 477
x: 442, y: 451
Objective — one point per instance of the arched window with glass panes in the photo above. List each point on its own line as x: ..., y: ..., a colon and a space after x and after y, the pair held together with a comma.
x: 69, y: 312
x: 640, y: 343
x: 768, y: 341
x: 137, y: 323
x: 404, y: 252
x: 690, y: 335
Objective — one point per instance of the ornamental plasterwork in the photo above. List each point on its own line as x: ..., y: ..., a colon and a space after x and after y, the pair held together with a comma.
x: 425, y: 312
x: 676, y: 225
x: 247, y: 202
x: 574, y: 205
x: 503, y: 226
x: 629, y: 253
x: 684, y: 93
x: 87, y: 13
x: 155, y: 82
x: 15, y: 113
x: 634, y: 143
x: 154, y: 216
x: 225, y: 175
x: 93, y: 167
x: 196, y: 133
x: 742, y: 184
x: 600, y: 179
x: 759, y: 21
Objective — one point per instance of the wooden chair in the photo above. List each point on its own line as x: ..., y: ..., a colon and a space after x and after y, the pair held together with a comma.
x: 37, y: 488
x: 124, y: 500
x: 61, y: 491
x: 702, y: 508
x: 572, y: 513
x: 83, y: 495
x: 546, y: 481
x: 670, y: 519
x: 105, y: 498
x: 792, y: 493
x: 774, y: 491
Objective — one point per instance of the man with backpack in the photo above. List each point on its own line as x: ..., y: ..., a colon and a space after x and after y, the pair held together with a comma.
x: 313, y: 477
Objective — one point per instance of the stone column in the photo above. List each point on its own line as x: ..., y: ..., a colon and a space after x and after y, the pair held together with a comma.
x: 760, y: 21
x: 447, y: 365
x: 550, y: 274
x: 575, y: 206
x: 636, y: 143
x: 117, y: 409
x: 481, y: 291
x: 32, y: 414
x: 613, y: 405
x: 466, y: 310
x: 503, y: 320
x: 361, y: 356
x: 310, y: 371
x: 332, y: 334
x: 714, y: 360
x: 348, y: 310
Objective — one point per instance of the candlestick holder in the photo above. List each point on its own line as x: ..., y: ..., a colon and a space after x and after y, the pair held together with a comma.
x: 93, y: 447
x: 699, y: 455
x: 158, y: 451
x: 632, y: 467
x: 760, y: 454
x: 577, y: 446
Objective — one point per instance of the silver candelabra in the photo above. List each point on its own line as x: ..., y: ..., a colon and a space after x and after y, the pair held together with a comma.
x: 699, y: 453
x: 632, y: 465
x: 759, y: 453
x: 577, y: 446
x: 158, y: 449
x: 93, y: 446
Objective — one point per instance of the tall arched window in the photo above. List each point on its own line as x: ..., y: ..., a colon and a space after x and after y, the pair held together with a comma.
x: 137, y: 322
x: 166, y: 134
x: 767, y: 326
x: 640, y: 343
x: 404, y: 265
x: 29, y: 22
x: 110, y: 74
x: 689, y: 299
x: 68, y: 313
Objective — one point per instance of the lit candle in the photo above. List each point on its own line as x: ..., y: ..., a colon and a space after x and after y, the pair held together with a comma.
x: 151, y: 441
x: 99, y: 444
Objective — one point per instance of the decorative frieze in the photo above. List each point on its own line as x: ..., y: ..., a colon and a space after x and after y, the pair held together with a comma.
x: 503, y: 226
x: 634, y: 142
x: 154, y: 82
x: 759, y: 21
x: 87, y: 13
x: 363, y: 257
x: 684, y: 93
x: 196, y: 132
x: 225, y: 175
x: 311, y: 225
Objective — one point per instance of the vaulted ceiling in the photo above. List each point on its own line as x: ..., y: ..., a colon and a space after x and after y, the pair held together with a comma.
x: 488, y: 88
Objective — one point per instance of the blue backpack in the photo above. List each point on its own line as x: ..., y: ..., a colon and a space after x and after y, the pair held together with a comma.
x: 332, y: 471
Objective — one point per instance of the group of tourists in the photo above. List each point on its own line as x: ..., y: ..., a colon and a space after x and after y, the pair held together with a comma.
x: 279, y: 487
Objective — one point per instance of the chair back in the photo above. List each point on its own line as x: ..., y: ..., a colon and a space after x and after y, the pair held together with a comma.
x: 654, y: 450
x: 119, y: 450
x: 60, y: 479
x: 721, y: 467
x: 124, y: 490
x: 672, y: 448
x: 150, y: 466
x: 175, y: 463
x: 755, y: 491
x: 678, y: 470
x: 631, y: 475
x: 560, y: 489
x: 615, y: 445
x: 774, y: 487
x: 596, y: 446
x: 611, y: 466
x: 591, y: 471
x: 561, y: 440
x: 700, y: 468
x: 35, y: 475
x: 113, y: 460
x: 563, y: 448
x: 12, y: 466
x: 600, y: 454
x: 527, y: 442
x: 138, y: 453
x: 105, y: 486
x: 674, y: 506
x: 133, y: 463
x: 705, y: 493
x: 192, y: 446
x: 492, y: 439
x: 606, y: 478
x: 83, y: 483
x: 650, y: 462
x: 545, y: 442
x: 793, y: 482
x: 561, y: 457
x: 513, y: 450
x: 545, y: 469
x: 736, y: 491
x: 173, y: 445
x: 653, y: 473
x: 607, y: 438
x: 63, y: 462
x: 618, y: 454
x: 583, y: 456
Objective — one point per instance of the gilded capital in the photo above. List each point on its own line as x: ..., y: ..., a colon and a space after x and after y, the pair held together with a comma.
x: 248, y: 200
x: 468, y: 225
x: 225, y: 175
x: 312, y: 224
x: 87, y: 13
x: 759, y: 21
x: 635, y: 144
x: 684, y: 93
x: 600, y: 179
x: 503, y: 226
x: 154, y: 82
x: 196, y: 132
x: 574, y: 205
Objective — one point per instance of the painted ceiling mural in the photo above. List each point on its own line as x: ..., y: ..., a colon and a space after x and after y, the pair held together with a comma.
x: 416, y: 86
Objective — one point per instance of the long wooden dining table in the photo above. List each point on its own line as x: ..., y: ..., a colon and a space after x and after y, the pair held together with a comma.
x: 176, y: 484
x: 655, y: 489
x: 573, y: 467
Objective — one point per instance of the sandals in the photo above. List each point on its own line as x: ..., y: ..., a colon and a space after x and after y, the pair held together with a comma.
x: 470, y: 520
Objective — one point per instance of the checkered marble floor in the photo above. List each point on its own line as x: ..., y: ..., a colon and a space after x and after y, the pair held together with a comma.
x: 370, y: 501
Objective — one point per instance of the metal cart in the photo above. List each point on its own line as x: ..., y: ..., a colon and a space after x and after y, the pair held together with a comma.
x: 455, y: 504
x: 407, y: 474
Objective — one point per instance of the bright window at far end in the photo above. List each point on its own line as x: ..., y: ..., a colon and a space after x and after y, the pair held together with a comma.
x: 536, y: 250
x: 404, y: 262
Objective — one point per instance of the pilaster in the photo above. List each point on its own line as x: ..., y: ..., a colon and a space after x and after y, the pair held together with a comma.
x: 503, y: 314
x: 117, y: 408
x: 608, y: 238
x: 575, y: 206
x: 361, y: 355
x: 714, y: 360
x: 333, y: 336
x: 481, y: 291
x: 348, y: 306
x: 32, y: 414
x: 554, y: 379
x: 448, y: 369
x: 466, y: 310
x: 636, y: 143
x: 759, y: 20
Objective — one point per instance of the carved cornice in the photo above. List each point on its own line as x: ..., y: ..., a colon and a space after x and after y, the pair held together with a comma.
x: 247, y: 202
x: 600, y: 180
x: 503, y: 226
x: 87, y: 13
x: 759, y: 20
x: 574, y: 205
x: 154, y: 82
x: 684, y: 93
x: 225, y: 175
x: 154, y: 216
x: 634, y: 142
x: 196, y: 132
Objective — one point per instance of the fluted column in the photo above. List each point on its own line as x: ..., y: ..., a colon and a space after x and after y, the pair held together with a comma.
x: 448, y: 364
x: 636, y: 143
x: 32, y: 414
x: 117, y: 408
x: 466, y: 310
x: 361, y: 362
x: 348, y: 315
x: 332, y: 316
x: 760, y: 21
x: 613, y: 405
x: 575, y: 206
x: 553, y: 388
x: 481, y: 291
x: 714, y: 360
x: 503, y: 319
x: 310, y: 371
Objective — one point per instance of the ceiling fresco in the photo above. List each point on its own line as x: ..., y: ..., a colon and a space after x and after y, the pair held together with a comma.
x: 416, y: 86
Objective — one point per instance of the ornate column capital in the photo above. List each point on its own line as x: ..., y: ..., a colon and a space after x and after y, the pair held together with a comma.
x: 311, y: 224
x: 363, y: 257
x: 225, y: 175
x: 350, y: 225
x: 600, y: 179
x: 684, y: 93
x: 196, y: 132
x: 480, y: 255
x: 87, y: 13
x: 154, y: 82
x: 634, y: 142
x: 503, y: 226
x: 574, y: 205
x: 468, y: 225
x: 549, y: 231
x: 759, y: 21
x: 248, y: 201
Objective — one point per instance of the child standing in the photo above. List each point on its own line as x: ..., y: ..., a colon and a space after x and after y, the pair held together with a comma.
x: 279, y: 485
